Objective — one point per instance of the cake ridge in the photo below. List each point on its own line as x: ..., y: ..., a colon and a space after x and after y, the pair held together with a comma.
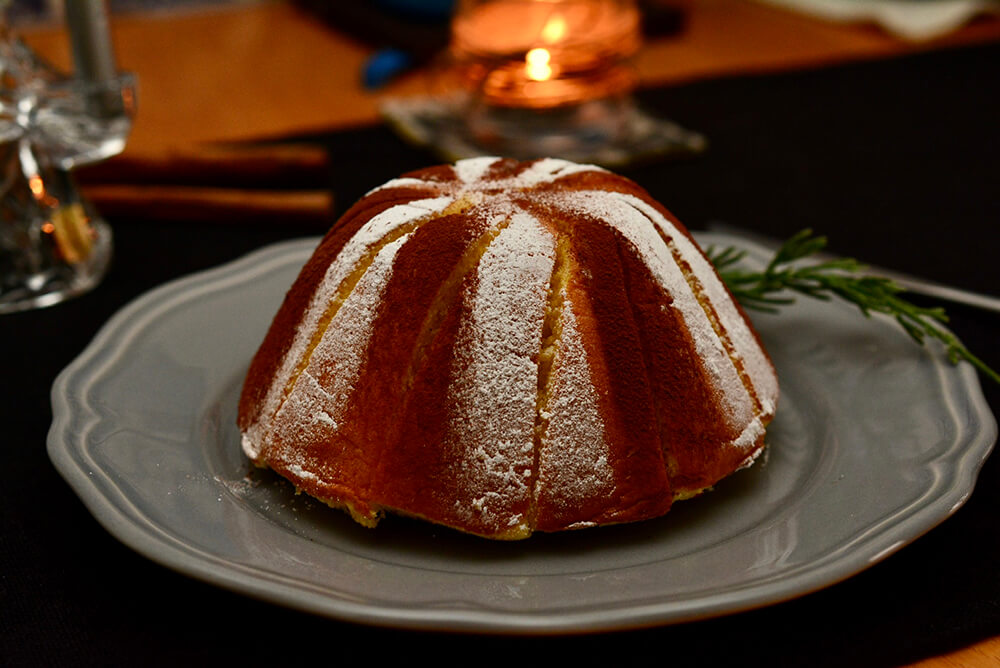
x: 493, y: 390
x: 574, y: 421
x: 449, y: 288
x: 548, y: 349
x: 361, y: 445
x: 360, y: 251
x: 647, y: 363
x: 295, y: 309
x: 695, y: 283
x: 748, y: 356
x: 632, y: 223
x: 386, y: 226
x: 331, y: 373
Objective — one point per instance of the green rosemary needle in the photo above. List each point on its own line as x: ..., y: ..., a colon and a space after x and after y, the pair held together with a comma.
x: 842, y: 277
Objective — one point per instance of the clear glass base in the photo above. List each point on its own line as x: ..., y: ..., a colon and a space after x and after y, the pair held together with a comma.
x: 612, y: 132
x: 49, y: 280
x: 573, y: 132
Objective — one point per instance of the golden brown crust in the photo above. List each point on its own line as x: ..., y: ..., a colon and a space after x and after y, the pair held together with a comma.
x: 666, y: 427
x: 609, y: 333
x: 275, y: 346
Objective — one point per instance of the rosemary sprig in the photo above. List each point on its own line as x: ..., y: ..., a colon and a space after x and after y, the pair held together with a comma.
x: 842, y: 277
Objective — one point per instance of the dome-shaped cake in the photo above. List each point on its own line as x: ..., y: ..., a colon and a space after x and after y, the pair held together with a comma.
x: 503, y: 347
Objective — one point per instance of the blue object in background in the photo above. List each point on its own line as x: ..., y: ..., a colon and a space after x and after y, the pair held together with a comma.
x: 405, y: 33
x: 390, y: 62
x: 384, y: 66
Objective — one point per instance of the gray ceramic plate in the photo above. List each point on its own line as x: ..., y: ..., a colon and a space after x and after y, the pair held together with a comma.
x: 876, y: 441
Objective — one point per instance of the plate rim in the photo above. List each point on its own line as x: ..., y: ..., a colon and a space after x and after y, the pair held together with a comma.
x: 145, y: 538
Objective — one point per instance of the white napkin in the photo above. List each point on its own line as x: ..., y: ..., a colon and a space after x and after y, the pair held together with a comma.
x: 909, y: 19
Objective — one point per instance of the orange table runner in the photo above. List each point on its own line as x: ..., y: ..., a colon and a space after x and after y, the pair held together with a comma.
x: 270, y: 69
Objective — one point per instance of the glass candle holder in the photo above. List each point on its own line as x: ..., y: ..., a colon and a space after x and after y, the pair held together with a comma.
x: 53, y: 245
x: 545, y: 77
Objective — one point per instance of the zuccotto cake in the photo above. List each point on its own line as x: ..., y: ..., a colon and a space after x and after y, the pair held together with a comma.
x: 505, y: 347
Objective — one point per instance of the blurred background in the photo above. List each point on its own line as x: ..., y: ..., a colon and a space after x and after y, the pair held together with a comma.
x: 257, y: 121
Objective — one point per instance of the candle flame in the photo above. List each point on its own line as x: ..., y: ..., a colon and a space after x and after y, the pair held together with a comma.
x: 36, y: 186
x: 537, y: 65
x: 554, y: 29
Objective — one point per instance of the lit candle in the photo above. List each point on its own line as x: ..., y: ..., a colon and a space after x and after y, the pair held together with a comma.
x: 545, y: 53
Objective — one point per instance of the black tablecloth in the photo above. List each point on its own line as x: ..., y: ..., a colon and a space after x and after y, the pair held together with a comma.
x: 897, y: 161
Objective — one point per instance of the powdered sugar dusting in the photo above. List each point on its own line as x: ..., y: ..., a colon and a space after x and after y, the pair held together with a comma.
x: 303, y: 474
x: 504, y: 449
x: 315, y: 406
x: 757, y: 366
x: 757, y: 452
x: 471, y: 176
x: 573, y: 457
x: 750, y: 435
x: 495, y: 381
x: 617, y: 210
x: 370, y: 234
x: 548, y: 170
x: 471, y: 170
x: 403, y: 182
x: 251, y: 448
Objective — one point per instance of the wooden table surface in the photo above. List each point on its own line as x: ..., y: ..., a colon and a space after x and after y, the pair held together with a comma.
x: 268, y: 69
